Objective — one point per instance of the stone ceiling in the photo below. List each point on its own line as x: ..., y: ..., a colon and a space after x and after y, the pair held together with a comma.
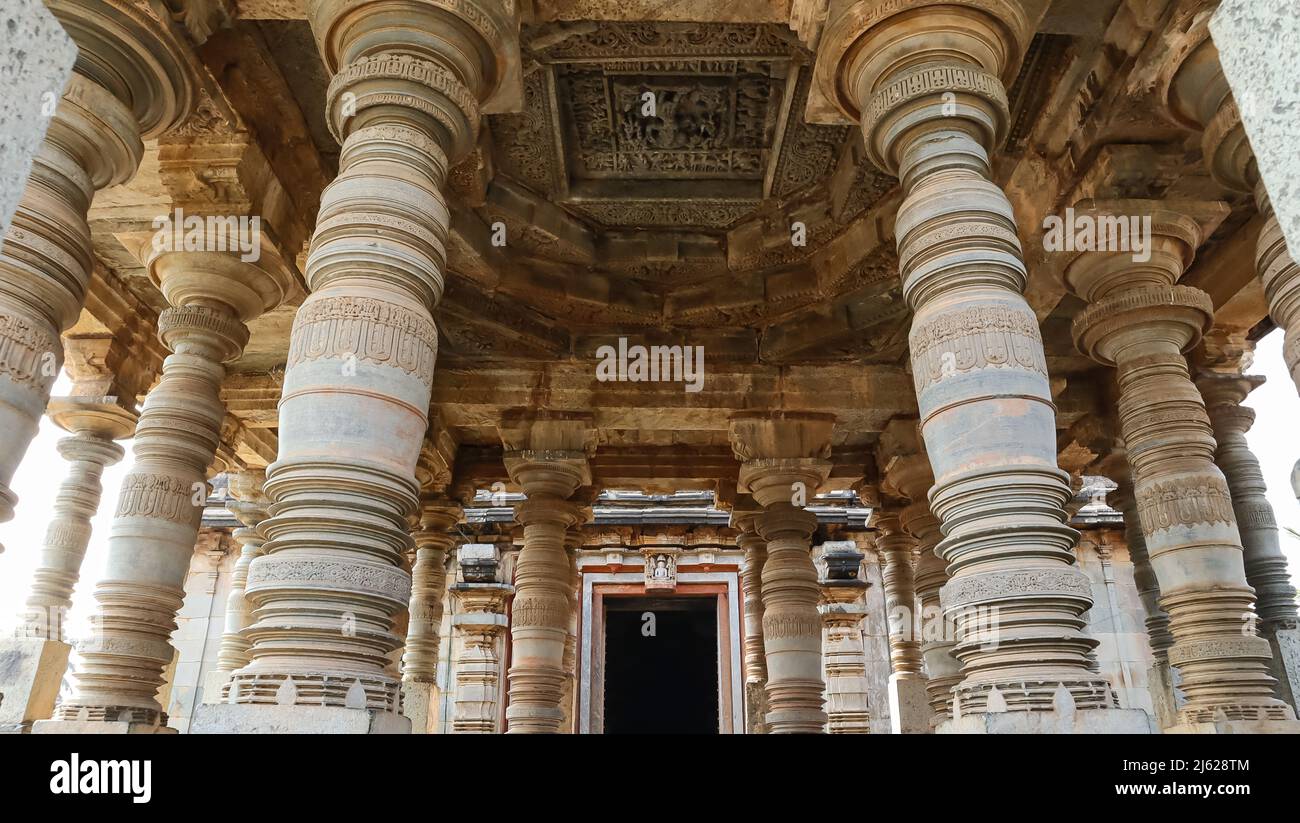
x: 677, y: 229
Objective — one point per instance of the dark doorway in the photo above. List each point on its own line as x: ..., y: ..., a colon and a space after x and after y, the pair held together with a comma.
x: 663, y: 681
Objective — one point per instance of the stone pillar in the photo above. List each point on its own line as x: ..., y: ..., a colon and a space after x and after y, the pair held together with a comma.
x: 32, y: 663
x: 546, y: 457
x: 129, y: 83
x: 434, y: 540
x: 842, y: 610
x: 213, y: 294
x: 1266, y: 566
x: 248, y: 503
x: 1162, y: 680
x: 408, y: 79
x: 784, y: 461
x: 1197, y: 95
x: 926, y: 79
x: 1140, y: 322
x: 480, y: 623
x: 909, y: 706
x: 751, y: 581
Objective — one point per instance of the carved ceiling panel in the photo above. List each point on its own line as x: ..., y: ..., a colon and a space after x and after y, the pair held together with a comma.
x: 665, y: 126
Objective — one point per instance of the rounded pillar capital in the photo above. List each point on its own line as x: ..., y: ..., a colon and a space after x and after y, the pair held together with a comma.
x: 869, y: 44
x: 128, y: 52
x: 437, y: 59
x: 213, y: 330
x: 221, y: 259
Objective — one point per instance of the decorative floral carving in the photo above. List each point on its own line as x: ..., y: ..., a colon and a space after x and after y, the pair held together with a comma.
x: 1185, y: 501
x: 159, y: 496
x: 976, y: 338
x: 372, y: 330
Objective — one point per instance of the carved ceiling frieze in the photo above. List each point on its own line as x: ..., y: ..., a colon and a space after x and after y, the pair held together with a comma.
x: 665, y: 126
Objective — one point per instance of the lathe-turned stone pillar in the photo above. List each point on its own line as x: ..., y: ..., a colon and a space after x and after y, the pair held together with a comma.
x: 214, y: 294
x: 784, y: 461
x: 1197, y: 95
x: 434, y: 541
x: 909, y: 705
x: 546, y: 456
x: 751, y: 580
x: 1139, y: 321
x: 479, y: 624
x: 926, y: 78
x: 36, y: 658
x: 1162, y: 679
x: 842, y: 609
x: 129, y: 83
x: 408, y: 79
x: 248, y: 503
x: 540, y: 615
x: 911, y: 477
x: 1266, y: 566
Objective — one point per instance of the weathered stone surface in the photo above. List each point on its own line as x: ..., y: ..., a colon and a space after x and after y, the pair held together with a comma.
x: 31, y: 672
x: 1259, y: 46
x: 34, y: 69
x: 228, y: 718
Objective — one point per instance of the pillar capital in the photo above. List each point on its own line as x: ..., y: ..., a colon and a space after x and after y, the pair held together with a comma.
x: 784, y: 454
x: 434, y: 63
x: 1132, y: 291
x: 874, y: 56
x: 103, y: 417
x: 1195, y: 93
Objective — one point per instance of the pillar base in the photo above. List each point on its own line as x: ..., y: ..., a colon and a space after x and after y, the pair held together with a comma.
x: 1238, y: 727
x: 909, y: 705
x: 98, y: 727
x: 420, y: 706
x: 1090, y: 721
x: 243, y: 718
x: 31, y: 671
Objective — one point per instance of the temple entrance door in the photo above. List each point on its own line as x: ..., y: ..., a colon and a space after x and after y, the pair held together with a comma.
x: 661, y: 665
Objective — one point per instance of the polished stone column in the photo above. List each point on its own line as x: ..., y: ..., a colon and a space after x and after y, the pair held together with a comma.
x: 36, y: 658
x: 751, y: 581
x: 912, y: 478
x: 130, y: 83
x: 408, y: 79
x: 1266, y: 566
x: 546, y: 456
x: 842, y: 609
x: 434, y: 540
x: 249, y: 504
x: 909, y: 709
x: 927, y: 82
x: 784, y: 461
x: 1197, y: 94
x: 1140, y: 322
x: 479, y: 623
x: 214, y: 294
